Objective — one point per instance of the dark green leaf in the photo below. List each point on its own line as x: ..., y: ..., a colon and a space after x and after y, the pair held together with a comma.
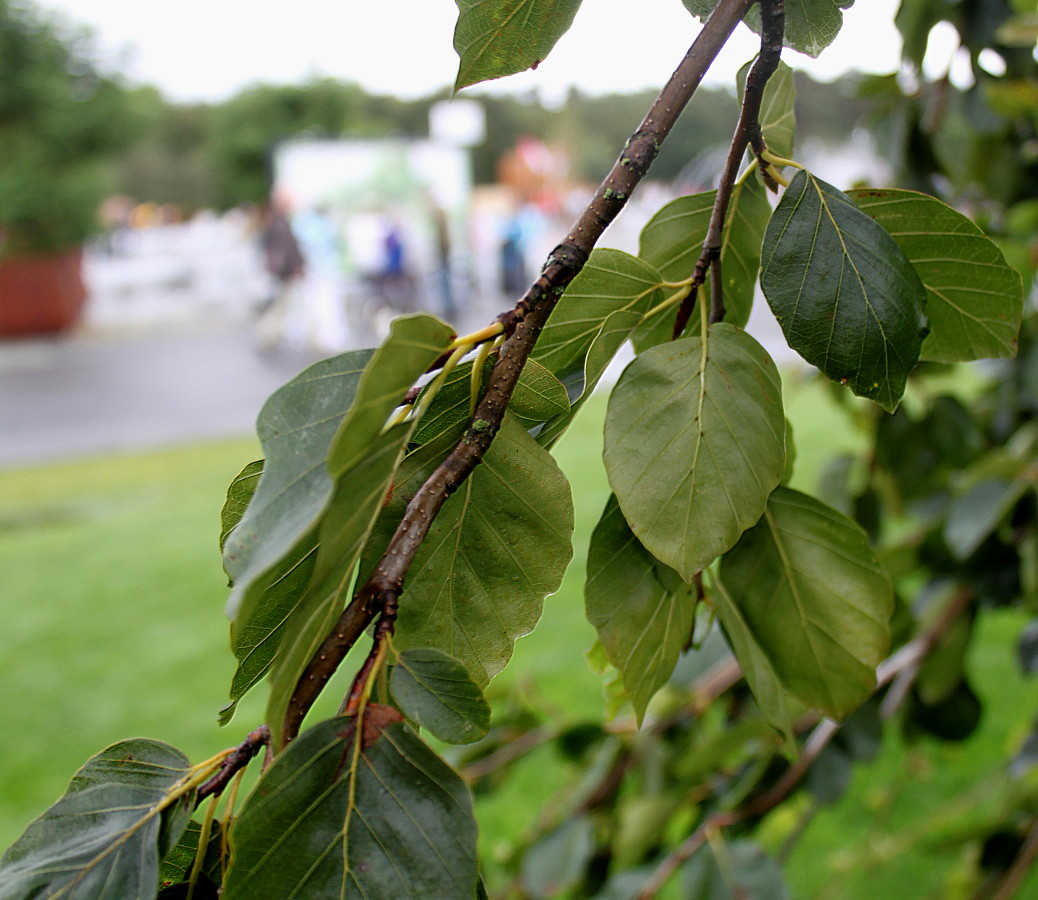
x: 809, y: 591
x: 239, y: 495
x: 641, y: 609
x: 694, y: 444
x: 1027, y: 648
x: 974, y: 515
x: 741, y: 871
x: 974, y: 298
x: 382, y: 820
x: 954, y: 718
x: 811, y: 25
x: 495, y: 38
x: 829, y: 775
x: 558, y: 860
x: 434, y: 690
x: 498, y: 547
x: 329, y: 464
x: 177, y: 865
x: 846, y: 296
x: 122, y: 813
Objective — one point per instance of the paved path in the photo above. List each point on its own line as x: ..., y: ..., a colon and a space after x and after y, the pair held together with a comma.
x: 79, y: 396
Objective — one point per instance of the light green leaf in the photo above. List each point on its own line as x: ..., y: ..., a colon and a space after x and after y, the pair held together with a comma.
x: 495, y: 38
x: 975, y: 300
x: 239, y: 495
x: 105, y: 838
x: 777, y: 120
x: 811, y: 25
x: 641, y: 609
x: 694, y: 444
x: 747, y: 219
x: 672, y: 241
x: 382, y: 820
x: 846, y: 296
x: 611, y: 282
x: 616, y: 329
x: 807, y: 589
x: 498, y: 547
x: 434, y: 690
x: 538, y: 396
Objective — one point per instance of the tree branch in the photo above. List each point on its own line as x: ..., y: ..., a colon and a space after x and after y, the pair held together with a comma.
x: 236, y: 761
x: 523, y: 324
x: 906, y: 659
x: 747, y: 131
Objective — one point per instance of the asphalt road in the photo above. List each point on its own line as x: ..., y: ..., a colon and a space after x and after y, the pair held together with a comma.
x: 81, y: 395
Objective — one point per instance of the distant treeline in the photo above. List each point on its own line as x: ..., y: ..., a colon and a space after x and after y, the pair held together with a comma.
x: 219, y: 155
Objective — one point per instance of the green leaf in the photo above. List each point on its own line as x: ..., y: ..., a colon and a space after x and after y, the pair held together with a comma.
x: 382, y: 820
x: 811, y: 25
x: 296, y: 427
x: 747, y: 219
x: 538, y: 396
x: 845, y: 294
x: 239, y: 495
x: 177, y: 865
x: 811, y: 594
x: 495, y: 38
x: 558, y: 860
x: 104, y: 839
x: 672, y: 241
x: 777, y: 705
x: 975, y: 514
x: 641, y: 609
x: 329, y: 465
x: 777, y: 120
x: 498, y: 547
x: 694, y: 444
x: 611, y: 282
x: 975, y: 300
x: 434, y: 690
x: 740, y: 871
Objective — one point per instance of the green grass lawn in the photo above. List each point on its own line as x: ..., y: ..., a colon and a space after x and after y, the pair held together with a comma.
x: 112, y: 607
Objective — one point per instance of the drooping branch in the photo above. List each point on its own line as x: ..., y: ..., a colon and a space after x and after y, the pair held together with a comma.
x: 904, y: 660
x: 523, y: 324
x: 747, y: 132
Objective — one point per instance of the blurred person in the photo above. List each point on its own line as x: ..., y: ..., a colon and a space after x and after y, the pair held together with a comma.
x: 283, y: 260
x: 322, y: 295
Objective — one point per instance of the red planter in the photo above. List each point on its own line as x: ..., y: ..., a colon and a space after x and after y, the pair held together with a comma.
x: 41, y: 294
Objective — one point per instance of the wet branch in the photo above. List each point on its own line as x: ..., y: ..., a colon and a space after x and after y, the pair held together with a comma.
x: 523, y: 324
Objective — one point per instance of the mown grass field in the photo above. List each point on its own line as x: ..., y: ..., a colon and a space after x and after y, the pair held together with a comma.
x: 112, y: 598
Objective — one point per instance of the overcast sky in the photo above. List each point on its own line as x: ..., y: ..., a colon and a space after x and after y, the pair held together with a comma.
x: 209, y: 49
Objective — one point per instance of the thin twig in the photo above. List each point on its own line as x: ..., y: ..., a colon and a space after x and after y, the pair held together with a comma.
x: 235, y: 762
x: 747, y: 131
x: 907, y: 658
x: 1021, y: 867
x: 523, y: 324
